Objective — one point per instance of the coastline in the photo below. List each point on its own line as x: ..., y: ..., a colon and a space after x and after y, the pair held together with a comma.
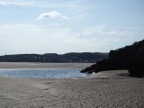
x: 109, y: 89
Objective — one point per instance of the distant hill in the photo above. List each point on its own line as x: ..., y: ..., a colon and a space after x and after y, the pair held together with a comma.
x: 73, y: 57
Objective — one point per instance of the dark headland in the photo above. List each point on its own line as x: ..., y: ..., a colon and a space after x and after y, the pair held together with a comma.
x: 129, y: 57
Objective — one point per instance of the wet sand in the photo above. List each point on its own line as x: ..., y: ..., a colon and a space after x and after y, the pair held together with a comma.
x: 11, y: 65
x: 109, y: 89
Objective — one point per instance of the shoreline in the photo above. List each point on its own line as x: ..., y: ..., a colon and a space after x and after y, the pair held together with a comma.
x: 107, y: 89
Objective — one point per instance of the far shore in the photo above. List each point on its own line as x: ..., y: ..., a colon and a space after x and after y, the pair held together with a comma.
x: 12, y: 65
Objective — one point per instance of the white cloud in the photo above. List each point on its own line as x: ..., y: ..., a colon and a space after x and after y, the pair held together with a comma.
x: 77, y: 5
x: 16, y: 2
x: 52, y: 14
x: 104, y: 30
x: 93, y: 30
x: 29, y: 38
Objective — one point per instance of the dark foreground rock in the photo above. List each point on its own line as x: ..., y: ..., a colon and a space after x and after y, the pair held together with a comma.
x: 129, y: 57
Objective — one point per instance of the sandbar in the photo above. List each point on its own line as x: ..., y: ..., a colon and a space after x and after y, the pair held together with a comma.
x: 12, y: 65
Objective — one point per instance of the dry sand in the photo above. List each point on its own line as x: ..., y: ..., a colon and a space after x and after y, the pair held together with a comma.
x: 110, y: 89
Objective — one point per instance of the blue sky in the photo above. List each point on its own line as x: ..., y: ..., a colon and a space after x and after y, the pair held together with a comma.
x: 61, y: 26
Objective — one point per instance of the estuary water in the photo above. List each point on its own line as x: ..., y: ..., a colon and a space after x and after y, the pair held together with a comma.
x: 42, y: 73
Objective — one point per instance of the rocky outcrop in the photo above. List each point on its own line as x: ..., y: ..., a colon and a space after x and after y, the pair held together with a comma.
x: 129, y: 57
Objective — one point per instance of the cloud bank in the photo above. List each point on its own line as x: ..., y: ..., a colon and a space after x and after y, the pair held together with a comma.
x: 52, y: 15
x: 16, y: 3
x: 29, y: 38
x: 103, y: 30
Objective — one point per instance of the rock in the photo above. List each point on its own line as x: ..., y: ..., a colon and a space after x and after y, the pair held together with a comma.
x: 137, y: 68
x: 89, y: 69
x: 129, y: 57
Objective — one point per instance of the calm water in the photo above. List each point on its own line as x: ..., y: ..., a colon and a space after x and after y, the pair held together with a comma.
x: 41, y: 73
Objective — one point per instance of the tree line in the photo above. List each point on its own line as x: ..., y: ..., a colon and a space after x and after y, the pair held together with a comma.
x: 83, y: 57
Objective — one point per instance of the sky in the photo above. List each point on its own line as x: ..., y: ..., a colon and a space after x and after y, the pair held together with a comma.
x: 62, y: 26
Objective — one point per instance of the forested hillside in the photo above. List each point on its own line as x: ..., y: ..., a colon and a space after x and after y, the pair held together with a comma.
x: 56, y: 58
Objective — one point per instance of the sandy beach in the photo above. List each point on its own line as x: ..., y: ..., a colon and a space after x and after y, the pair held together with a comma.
x: 109, y: 89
